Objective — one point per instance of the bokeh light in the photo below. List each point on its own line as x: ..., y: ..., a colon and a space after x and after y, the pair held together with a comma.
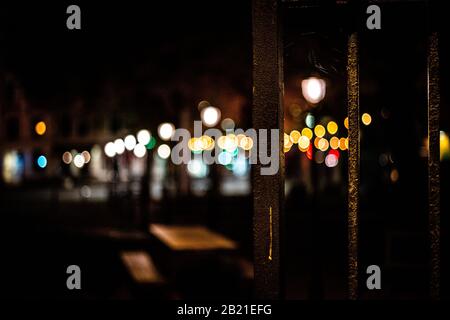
x: 87, y: 156
x: 67, y: 157
x: 303, y: 143
x: 166, y: 131
x: 313, y: 89
x: 163, y: 151
x: 203, y: 104
x: 227, y: 124
x: 323, y: 144
x: 334, y: 143
x: 332, y: 127
x: 197, y: 169
x: 230, y: 142
x: 210, y: 116
x: 346, y: 123
x: 394, y: 176
x: 343, y: 144
x: 208, y: 142
x: 310, y: 121
x: 366, y: 119
x: 444, y: 145
x: 79, y: 161
x: 151, y: 144
x: 246, y: 143
x: 119, y: 146
x: 130, y: 142
x: 319, y: 131
x: 40, y: 128
x: 192, y: 145
x: 319, y: 157
x: 331, y: 160
x: 309, y: 152
x: 42, y: 161
x: 295, y: 136
x: 287, y: 141
x: 308, y: 133
x: 110, y: 149
x: 139, y: 150
x: 143, y: 136
x: 221, y: 142
x: 225, y: 158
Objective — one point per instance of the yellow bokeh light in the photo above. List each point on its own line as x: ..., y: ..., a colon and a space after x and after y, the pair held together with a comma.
x: 246, y: 143
x: 444, y: 145
x: 334, y: 143
x: 366, y: 119
x: 40, y: 128
x: 231, y: 142
x: 198, y: 144
x: 319, y: 130
x: 287, y: 141
x: 303, y: 143
x: 316, y: 142
x: 342, y: 144
x: 221, y: 142
x: 302, y: 150
x: 295, y: 136
x: 307, y: 132
x: 207, y: 142
x: 323, y: 144
x: 239, y: 138
x: 287, y: 149
x: 194, y: 144
x: 332, y: 127
x: 346, y: 123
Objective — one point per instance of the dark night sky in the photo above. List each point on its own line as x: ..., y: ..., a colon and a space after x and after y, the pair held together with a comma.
x: 132, y: 44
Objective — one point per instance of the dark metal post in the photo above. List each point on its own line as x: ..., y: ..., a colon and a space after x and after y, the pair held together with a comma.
x: 353, y: 164
x: 433, y: 163
x: 268, y: 190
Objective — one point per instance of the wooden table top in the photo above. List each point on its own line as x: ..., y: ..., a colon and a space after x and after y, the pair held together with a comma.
x: 191, y: 238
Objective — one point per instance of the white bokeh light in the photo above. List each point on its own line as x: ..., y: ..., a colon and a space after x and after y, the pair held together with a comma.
x: 166, y: 131
x: 143, y: 137
x: 139, y: 150
x: 197, y: 169
x: 210, y: 116
x: 119, y: 146
x: 313, y: 89
x: 110, y: 149
x: 78, y: 161
x: 130, y: 142
x: 164, y: 151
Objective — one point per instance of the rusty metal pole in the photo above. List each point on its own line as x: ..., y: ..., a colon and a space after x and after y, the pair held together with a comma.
x: 267, y: 113
x: 433, y: 163
x: 353, y: 163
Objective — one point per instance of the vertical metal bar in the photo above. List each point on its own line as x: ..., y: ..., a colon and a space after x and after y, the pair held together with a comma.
x: 353, y: 162
x: 268, y: 190
x: 433, y: 163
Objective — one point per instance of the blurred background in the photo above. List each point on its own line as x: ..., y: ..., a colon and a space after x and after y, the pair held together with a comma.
x: 86, y: 118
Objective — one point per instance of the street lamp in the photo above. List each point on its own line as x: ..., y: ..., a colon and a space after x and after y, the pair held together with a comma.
x: 313, y: 89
